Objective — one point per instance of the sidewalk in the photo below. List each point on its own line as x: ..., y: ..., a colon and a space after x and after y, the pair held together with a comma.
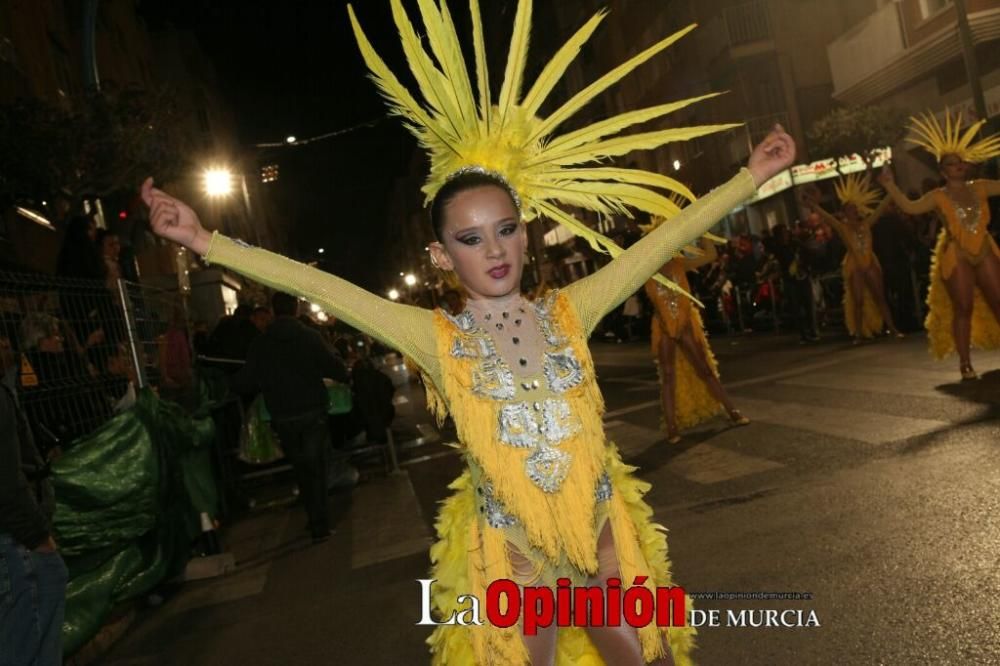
x: 290, y: 602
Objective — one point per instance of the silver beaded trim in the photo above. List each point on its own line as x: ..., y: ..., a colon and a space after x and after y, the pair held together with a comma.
x: 493, y: 509
x: 548, y: 468
x: 562, y: 370
x: 604, y: 490
x: 539, y: 424
x: 543, y: 313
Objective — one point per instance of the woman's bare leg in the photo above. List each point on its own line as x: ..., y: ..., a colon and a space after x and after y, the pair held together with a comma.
x: 668, y: 376
x: 617, y: 645
x: 988, y: 281
x: 961, y: 286
x: 696, y: 356
x: 875, y: 282
x: 542, y: 646
x: 857, y: 287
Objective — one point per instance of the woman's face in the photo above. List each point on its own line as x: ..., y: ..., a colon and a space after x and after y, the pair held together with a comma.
x: 954, y: 168
x: 483, y: 242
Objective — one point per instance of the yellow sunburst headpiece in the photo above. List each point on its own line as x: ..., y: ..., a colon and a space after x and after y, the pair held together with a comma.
x: 856, y: 189
x: 950, y: 139
x: 463, y: 128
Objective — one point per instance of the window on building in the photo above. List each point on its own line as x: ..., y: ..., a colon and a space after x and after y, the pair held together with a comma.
x: 930, y: 7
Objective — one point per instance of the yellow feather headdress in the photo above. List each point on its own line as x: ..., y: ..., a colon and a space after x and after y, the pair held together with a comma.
x: 856, y: 189
x: 950, y: 139
x: 463, y: 128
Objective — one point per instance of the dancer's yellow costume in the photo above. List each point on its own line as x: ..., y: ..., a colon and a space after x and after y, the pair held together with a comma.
x: 693, y: 403
x: 857, y: 238
x: 964, y: 235
x: 541, y: 477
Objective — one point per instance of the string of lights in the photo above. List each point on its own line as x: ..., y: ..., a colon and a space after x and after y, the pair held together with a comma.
x: 295, y: 141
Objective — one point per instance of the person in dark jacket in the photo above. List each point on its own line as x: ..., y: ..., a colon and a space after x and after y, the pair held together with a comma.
x: 33, y: 575
x: 287, y: 364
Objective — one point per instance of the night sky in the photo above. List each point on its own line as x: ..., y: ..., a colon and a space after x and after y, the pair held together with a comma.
x: 294, y: 68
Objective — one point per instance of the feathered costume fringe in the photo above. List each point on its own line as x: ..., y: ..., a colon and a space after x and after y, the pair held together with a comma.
x: 693, y: 403
x: 459, y: 560
x: 985, y: 329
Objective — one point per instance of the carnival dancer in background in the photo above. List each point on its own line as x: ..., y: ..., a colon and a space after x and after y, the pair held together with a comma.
x: 964, y: 296
x: 544, y: 496
x: 690, y: 389
x: 866, y: 311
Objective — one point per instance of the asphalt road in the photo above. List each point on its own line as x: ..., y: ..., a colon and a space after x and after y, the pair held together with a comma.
x: 869, y: 481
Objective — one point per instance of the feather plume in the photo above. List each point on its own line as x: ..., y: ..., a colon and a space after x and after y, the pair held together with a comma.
x: 516, y: 60
x: 579, y: 100
x: 928, y: 133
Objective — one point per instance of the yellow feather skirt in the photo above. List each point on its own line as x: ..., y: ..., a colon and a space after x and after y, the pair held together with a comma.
x: 457, y: 558
x: 985, y: 329
x: 871, y: 319
x: 693, y: 404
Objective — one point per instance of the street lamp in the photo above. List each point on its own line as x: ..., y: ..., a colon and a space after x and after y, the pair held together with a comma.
x: 218, y: 182
x: 321, y: 250
x: 393, y: 294
x: 677, y: 165
x: 410, y: 279
x: 290, y: 138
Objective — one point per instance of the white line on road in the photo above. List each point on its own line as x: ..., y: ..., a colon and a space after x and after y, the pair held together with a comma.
x: 843, y: 423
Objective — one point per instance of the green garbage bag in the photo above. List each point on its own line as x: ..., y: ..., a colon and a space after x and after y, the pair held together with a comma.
x: 258, y: 443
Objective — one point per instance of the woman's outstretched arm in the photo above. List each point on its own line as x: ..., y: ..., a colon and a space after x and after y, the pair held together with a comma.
x: 405, y: 328
x: 599, y: 293
x: 924, y: 204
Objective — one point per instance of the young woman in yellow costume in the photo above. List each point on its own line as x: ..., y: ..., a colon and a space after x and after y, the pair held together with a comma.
x: 866, y: 311
x: 544, y: 495
x: 689, y: 375
x: 964, y: 296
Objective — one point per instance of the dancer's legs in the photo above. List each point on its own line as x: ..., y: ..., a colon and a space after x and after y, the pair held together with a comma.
x: 875, y: 282
x: 988, y: 281
x: 699, y: 361
x: 617, y: 645
x: 857, y: 287
x: 667, y: 354
x: 961, y: 287
x: 542, y: 646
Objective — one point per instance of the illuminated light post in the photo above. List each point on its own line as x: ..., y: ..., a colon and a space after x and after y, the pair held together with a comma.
x: 677, y: 165
x: 393, y: 294
x: 218, y: 182
x: 290, y: 139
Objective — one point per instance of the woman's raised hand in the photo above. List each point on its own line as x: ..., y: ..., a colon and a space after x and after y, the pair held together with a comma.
x: 772, y: 155
x: 885, y: 177
x: 174, y: 220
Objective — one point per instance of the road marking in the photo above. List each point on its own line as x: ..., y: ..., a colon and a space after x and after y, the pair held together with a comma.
x: 839, y: 359
x: 385, y: 522
x: 633, y: 408
x: 707, y: 464
x: 864, y: 380
x: 857, y: 425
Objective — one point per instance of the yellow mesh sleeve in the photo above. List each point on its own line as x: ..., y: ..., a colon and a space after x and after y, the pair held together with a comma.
x: 408, y: 329
x: 597, y: 294
x: 990, y: 187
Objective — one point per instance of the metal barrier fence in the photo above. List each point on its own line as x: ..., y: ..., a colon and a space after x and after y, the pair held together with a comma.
x: 76, y: 350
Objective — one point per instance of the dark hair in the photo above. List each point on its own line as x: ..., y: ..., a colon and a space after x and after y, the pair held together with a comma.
x: 469, y: 180
x: 243, y: 311
x: 262, y: 309
x: 284, y: 305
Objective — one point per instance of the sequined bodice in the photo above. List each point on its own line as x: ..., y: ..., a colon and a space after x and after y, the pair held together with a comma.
x: 534, y: 414
x: 967, y: 214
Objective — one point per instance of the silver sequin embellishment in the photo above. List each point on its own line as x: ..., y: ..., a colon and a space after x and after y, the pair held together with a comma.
x: 493, y: 510
x: 968, y: 216
x: 539, y: 424
x: 562, y: 370
x: 518, y: 426
x: 543, y: 313
x: 494, y: 379
x: 547, y: 468
x: 604, y: 489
